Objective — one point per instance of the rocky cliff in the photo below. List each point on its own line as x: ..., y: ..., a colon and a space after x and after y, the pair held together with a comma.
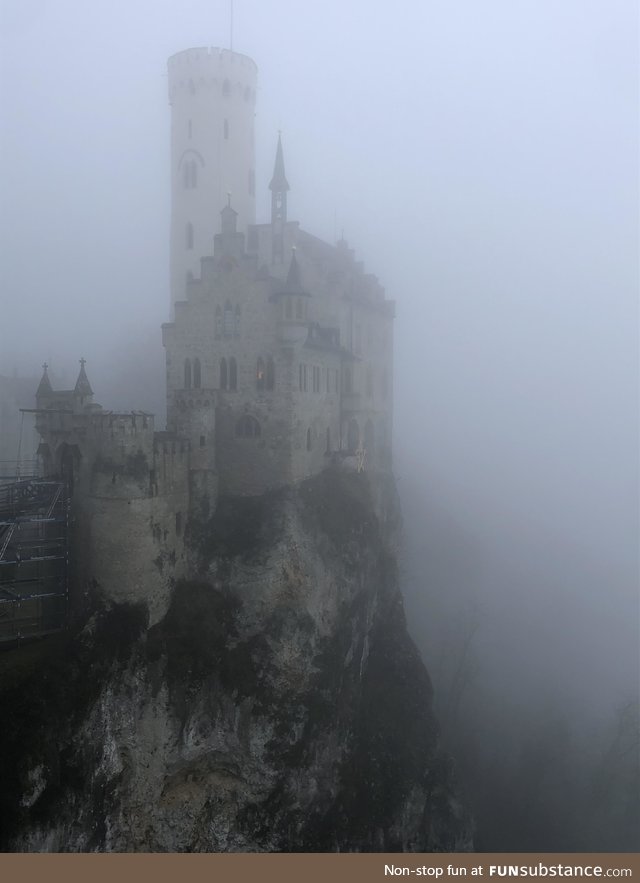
x: 279, y: 703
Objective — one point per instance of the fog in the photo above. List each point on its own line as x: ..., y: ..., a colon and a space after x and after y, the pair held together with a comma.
x: 482, y: 160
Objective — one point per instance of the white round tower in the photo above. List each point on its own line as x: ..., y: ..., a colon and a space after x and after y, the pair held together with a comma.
x: 212, y: 93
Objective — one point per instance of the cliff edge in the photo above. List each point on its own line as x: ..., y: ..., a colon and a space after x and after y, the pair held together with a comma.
x: 278, y: 705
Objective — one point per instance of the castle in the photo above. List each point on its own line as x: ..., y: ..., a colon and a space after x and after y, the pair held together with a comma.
x: 279, y: 356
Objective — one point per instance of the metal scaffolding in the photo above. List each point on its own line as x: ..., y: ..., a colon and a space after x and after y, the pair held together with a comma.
x: 34, y: 558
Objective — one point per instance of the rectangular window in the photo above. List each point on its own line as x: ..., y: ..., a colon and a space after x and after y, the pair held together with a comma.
x: 202, y: 441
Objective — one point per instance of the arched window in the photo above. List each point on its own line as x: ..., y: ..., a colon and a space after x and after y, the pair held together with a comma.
x: 288, y: 308
x: 369, y: 438
x: 189, y: 236
x: 247, y: 427
x: 233, y: 374
x: 369, y: 382
x: 299, y: 308
x: 226, y: 130
x: 236, y: 329
x: 260, y: 374
x: 271, y: 373
x: 218, y: 323
x: 192, y: 87
x: 223, y: 374
x: 197, y: 378
x: 328, y: 448
x: 228, y: 320
x: 353, y: 435
x: 309, y: 439
x: 347, y: 380
x: 187, y: 373
x: 226, y: 88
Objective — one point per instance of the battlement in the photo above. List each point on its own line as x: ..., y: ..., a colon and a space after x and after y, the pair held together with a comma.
x: 192, y: 69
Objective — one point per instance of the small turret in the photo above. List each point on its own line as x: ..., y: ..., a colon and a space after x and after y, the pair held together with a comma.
x: 278, y: 187
x: 228, y: 243
x: 294, y: 280
x: 82, y: 389
x: 44, y: 387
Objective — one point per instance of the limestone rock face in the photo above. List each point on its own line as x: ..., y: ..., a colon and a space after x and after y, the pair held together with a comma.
x: 279, y: 705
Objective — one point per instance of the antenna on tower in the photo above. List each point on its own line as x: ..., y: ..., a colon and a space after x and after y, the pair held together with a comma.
x: 231, y: 25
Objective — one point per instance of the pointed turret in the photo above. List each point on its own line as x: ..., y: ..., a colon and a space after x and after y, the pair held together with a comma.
x: 294, y: 280
x: 229, y: 218
x: 44, y: 388
x: 83, y: 387
x: 279, y: 187
x: 279, y: 181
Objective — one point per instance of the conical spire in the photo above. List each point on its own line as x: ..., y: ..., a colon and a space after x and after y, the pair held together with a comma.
x: 279, y: 181
x: 83, y: 387
x: 294, y: 281
x: 44, y: 387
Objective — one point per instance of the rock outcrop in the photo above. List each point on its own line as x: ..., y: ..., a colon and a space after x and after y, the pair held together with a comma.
x: 278, y: 705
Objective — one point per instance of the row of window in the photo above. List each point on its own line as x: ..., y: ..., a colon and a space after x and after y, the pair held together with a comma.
x: 227, y: 321
x: 265, y: 374
x: 311, y: 375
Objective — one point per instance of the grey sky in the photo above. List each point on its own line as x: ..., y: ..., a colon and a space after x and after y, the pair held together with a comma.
x: 481, y: 157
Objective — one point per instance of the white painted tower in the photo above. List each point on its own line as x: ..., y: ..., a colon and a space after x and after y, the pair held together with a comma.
x: 212, y: 93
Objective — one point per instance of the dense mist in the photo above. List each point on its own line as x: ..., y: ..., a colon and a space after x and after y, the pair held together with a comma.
x: 482, y: 160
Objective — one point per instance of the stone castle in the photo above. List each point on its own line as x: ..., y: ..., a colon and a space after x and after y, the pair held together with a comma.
x: 279, y: 356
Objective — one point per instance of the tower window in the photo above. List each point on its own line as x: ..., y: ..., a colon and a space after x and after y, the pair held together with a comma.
x: 228, y: 320
x: 271, y: 373
x: 328, y: 448
x: 226, y: 88
x: 187, y: 374
x: 226, y: 130
x: 190, y: 129
x: 190, y: 174
x: 196, y: 374
x: 236, y: 329
x: 309, y: 439
x: 233, y: 374
x: 217, y: 330
x: 347, y: 383
x: 260, y: 374
x: 223, y: 374
x: 203, y: 441
x: 316, y: 378
x: 189, y: 236
x: 247, y: 427
x: 288, y: 308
